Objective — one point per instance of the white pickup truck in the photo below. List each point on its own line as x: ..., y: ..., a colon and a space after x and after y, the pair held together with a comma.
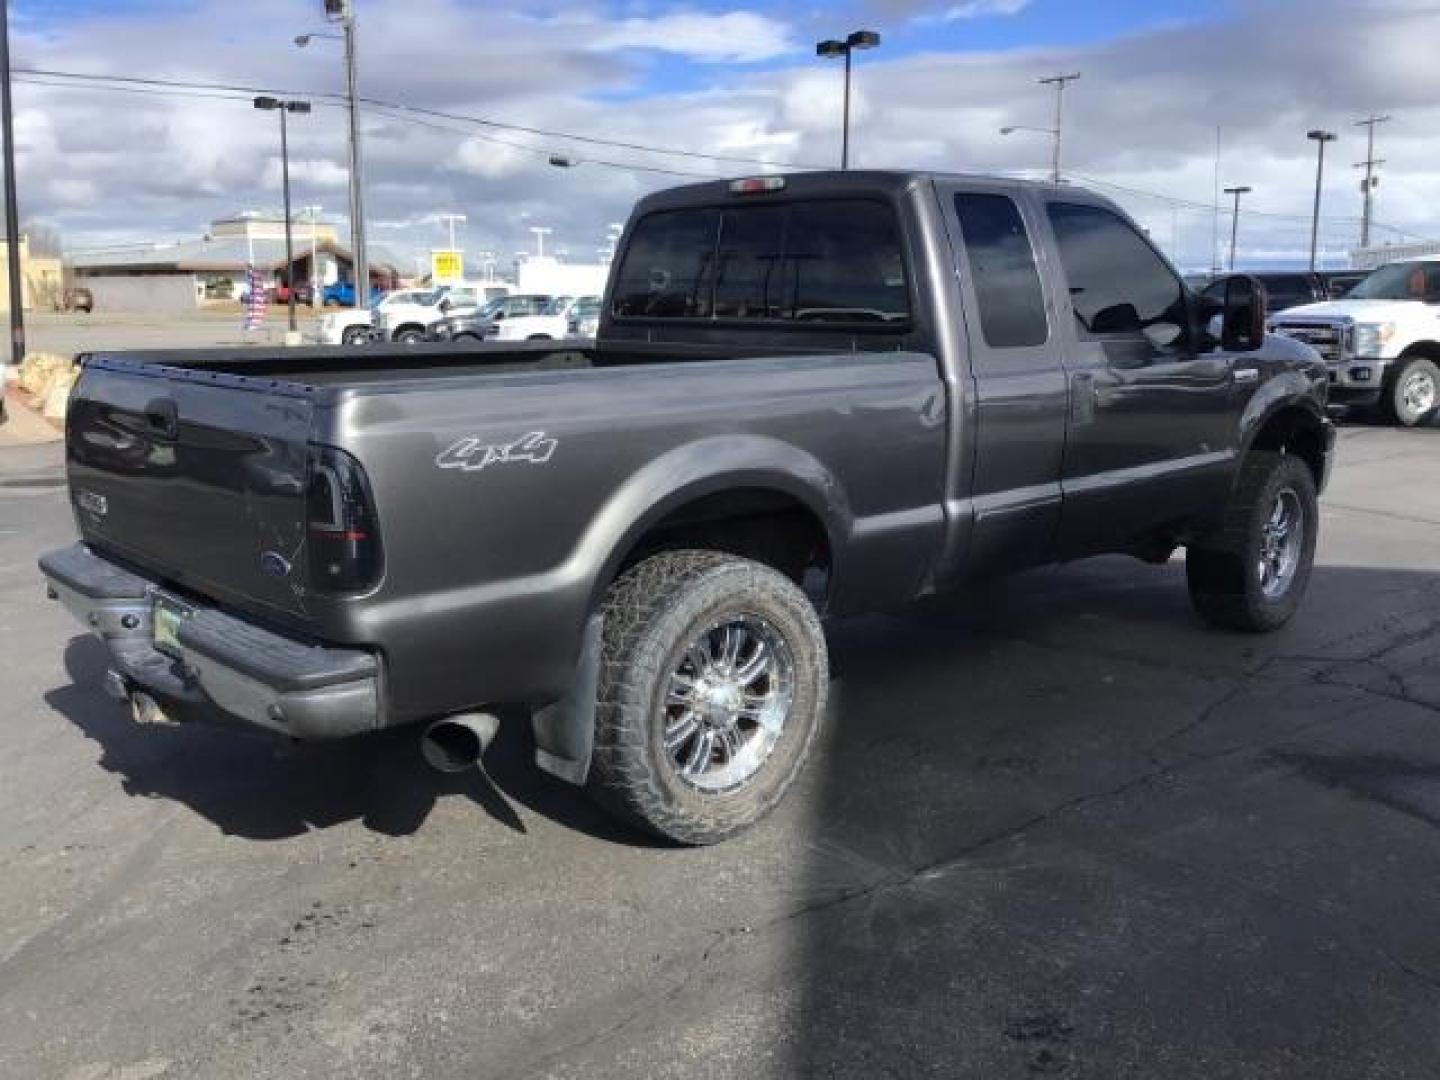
x: 1381, y: 342
x: 402, y: 315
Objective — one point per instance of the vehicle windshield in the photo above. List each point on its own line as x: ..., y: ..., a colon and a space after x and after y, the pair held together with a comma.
x: 1401, y: 281
x: 488, y: 310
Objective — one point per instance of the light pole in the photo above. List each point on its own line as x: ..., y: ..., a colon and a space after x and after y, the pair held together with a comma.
x: 273, y: 104
x: 342, y: 12
x: 313, y: 213
x: 540, y: 231
x: 1235, y: 219
x: 452, y: 219
x: 1321, y: 138
x: 1371, y: 181
x: 12, y: 208
x: 829, y: 49
x: 1058, y: 81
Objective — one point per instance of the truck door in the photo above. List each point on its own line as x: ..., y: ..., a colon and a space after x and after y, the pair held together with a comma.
x: 1150, y: 436
x: 1020, y: 388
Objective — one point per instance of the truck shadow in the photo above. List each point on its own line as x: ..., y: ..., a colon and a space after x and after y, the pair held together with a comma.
x: 264, y: 788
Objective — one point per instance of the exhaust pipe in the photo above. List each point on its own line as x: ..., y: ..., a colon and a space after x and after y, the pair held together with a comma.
x: 455, y: 743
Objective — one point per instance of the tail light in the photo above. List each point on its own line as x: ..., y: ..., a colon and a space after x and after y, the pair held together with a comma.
x: 344, y: 534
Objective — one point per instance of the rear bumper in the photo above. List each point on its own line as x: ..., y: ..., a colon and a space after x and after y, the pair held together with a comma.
x: 246, y: 672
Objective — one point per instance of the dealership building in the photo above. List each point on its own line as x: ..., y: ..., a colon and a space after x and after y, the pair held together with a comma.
x: 164, y: 278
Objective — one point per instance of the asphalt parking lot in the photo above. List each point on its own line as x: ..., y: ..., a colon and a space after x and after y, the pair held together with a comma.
x: 1056, y: 829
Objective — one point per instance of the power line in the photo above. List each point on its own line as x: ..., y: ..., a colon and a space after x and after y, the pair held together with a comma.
x: 440, y: 114
x: 425, y: 117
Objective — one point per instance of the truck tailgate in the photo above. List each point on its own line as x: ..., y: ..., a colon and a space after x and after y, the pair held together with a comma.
x: 201, y: 481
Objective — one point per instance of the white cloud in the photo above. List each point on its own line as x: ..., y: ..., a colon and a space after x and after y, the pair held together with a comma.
x: 735, y: 37
x: 978, y: 9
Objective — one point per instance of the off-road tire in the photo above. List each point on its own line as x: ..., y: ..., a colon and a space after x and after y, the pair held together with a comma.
x: 1223, y: 570
x: 652, y: 612
x: 1397, y: 410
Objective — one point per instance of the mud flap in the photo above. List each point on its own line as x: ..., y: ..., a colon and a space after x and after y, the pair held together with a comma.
x: 565, y: 730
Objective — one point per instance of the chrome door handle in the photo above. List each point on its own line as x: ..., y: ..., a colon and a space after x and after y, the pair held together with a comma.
x: 1248, y: 374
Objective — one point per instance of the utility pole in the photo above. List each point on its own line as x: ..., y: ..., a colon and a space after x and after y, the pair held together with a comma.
x: 1235, y: 220
x: 1371, y: 181
x: 12, y: 207
x: 343, y: 12
x: 1058, y: 81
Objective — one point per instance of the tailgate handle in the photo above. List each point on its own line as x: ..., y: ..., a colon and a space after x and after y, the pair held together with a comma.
x: 163, y: 418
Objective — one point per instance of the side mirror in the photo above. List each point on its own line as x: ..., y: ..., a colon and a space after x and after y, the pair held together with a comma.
x: 1242, y: 326
x: 498, y: 315
x: 445, y: 305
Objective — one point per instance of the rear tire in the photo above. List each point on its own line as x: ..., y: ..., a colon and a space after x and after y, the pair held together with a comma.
x: 355, y: 335
x: 1413, y: 396
x: 712, y: 690
x: 411, y: 335
x: 1252, y: 573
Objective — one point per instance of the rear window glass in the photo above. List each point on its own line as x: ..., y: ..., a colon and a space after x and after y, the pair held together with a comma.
x: 1002, y: 269
x: 834, y: 261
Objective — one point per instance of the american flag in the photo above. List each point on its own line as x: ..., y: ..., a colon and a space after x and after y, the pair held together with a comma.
x: 255, y: 300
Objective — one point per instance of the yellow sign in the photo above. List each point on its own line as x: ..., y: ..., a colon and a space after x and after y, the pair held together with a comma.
x: 446, y: 267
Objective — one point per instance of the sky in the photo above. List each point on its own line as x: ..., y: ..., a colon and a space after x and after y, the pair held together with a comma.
x: 738, y: 81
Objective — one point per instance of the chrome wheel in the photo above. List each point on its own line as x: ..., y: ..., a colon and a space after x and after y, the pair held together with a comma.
x: 727, y: 703
x: 1282, y: 539
x: 1418, y: 392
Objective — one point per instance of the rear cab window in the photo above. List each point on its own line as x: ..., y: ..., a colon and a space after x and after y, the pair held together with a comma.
x: 1002, y: 270
x: 830, y: 261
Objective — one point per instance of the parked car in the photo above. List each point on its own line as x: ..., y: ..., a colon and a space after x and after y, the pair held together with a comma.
x: 342, y: 294
x: 484, y: 322
x: 1381, y: 342
x: 1283, y: 289
x: 551, y: 323
x: 901, y: 383
x: 407, y: 323
x: 351, y: 326
x: 304, y: 293
x: 584, y: 318
x: 1338, y: 283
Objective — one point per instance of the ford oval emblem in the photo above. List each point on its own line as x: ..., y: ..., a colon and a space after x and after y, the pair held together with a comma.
x: 275, y: 564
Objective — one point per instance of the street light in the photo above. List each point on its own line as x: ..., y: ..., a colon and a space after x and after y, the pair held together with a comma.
x: 12, y: 210
x: 1320, y: 137
x: 1235, y: 219
x: 273, y: 104
x: 341, y: 11
x: 829, y: 49
x: 1054, y: 134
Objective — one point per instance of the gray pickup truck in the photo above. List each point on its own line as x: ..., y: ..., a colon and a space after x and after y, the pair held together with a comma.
x: 809, y: 396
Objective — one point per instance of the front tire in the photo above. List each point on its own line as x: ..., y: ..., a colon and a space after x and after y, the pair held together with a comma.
x: 410, y: 336
x: 1252, y: 574
x: 712, y: 690
x: 355, y: 335
x: 1413, y: 396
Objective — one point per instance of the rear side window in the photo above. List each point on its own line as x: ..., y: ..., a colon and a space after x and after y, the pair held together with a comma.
x: 1002, y: 269
x: 834, y: 261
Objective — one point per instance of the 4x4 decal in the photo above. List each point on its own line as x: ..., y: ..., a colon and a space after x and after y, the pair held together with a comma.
x: 472, y: 455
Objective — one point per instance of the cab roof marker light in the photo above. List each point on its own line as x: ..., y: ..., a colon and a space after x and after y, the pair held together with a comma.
x: 756, y: 185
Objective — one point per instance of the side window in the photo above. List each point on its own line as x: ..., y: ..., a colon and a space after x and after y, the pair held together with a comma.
x: 1002, y: 269
x: 1121, y: 290
x: 668, y: 264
